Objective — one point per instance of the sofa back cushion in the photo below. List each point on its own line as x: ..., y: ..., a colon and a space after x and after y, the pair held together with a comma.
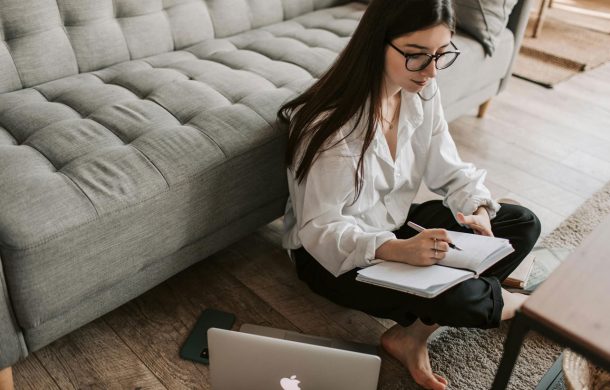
x: 44, y: 40
x: 485, y: 20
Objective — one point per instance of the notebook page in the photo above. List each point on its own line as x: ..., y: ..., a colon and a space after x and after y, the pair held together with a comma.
x: 394, y: 274
x: 475, y: 249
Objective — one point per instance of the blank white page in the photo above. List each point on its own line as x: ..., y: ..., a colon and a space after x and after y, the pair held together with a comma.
x: 475, y: 249
x: 402, y: 275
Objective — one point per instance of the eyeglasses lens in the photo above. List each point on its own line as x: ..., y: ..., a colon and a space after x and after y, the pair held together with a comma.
x: 420, y: 61
x: 417, y: 62
x: 445, y: 60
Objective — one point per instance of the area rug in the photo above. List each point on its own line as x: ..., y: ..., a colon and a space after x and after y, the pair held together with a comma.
x: 559, y: 52
x: 468, y: 358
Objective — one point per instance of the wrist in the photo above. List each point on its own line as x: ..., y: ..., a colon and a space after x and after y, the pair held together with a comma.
x: 481, y: 210
x: 389, y: 250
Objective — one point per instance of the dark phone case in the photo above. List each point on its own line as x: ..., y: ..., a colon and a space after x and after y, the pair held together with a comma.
x: 196, y: 345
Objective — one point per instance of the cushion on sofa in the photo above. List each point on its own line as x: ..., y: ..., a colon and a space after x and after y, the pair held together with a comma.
x: 45, y: 40
x: 484, y: 20
x: 110, y: 170
x: 461, y: 80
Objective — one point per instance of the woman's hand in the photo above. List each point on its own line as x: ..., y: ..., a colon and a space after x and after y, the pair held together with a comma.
x: 479, y: 221
x: 425, y: 248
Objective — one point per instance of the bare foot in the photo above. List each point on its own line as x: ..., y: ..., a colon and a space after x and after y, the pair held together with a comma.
x: 410, y: 347
x: 512, y: 301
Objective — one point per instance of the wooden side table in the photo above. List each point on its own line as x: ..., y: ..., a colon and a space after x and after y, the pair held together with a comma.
x: 571, y: 307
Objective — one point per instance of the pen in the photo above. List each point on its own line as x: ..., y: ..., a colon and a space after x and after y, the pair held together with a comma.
x: 421, y: 229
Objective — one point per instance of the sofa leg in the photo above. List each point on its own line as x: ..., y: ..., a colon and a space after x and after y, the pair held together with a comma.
x: 483, y: 108
x: 6, y: 378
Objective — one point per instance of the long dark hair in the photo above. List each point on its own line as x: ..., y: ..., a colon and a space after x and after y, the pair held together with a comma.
x: 356, y: 76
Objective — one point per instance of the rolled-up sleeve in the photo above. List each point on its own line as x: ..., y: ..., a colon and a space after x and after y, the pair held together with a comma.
x: 460, y: 183
x: 326, y: 232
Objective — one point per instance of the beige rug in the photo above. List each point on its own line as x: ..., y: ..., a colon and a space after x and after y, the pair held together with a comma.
x: 468, y: 358
x: 561, y: 51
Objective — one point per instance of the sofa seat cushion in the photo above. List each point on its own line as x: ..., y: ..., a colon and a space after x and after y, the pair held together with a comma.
x: 105, y: 172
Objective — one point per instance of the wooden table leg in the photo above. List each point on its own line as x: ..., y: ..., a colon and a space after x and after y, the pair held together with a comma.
x: 6, y: 379
x: 544, y: 4
x: 517, y: 332
x: 483, y: 109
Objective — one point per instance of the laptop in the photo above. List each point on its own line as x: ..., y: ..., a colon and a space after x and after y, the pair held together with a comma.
x: 259, y: 357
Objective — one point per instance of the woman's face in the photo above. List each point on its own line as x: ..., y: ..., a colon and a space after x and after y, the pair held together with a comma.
x: 432, y: 40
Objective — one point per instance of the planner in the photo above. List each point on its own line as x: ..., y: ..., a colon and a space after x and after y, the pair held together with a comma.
x: 478, y: 254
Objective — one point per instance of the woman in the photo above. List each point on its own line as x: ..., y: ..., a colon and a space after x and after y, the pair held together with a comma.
x: 362, y: 139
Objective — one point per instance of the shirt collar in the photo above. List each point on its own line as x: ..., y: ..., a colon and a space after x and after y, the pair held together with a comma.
x: 411, y: 112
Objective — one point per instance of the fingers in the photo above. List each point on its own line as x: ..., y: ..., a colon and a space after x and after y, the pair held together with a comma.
x: 439, y: 250
x: 437, y: 255
x: 441, y: 235
x: 441, y: 246
x: 473, y: 222
x: 469, y: 220
x: 482, y: 230
x: 461, y: 218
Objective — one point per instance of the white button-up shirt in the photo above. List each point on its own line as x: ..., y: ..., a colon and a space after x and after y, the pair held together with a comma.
x: 340, y: 235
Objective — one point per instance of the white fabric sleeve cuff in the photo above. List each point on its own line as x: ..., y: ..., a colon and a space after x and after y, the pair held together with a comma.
x: 373, y: 244
x: 491, y: 205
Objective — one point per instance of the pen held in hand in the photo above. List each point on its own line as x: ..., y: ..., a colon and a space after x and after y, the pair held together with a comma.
x: 421, y: 229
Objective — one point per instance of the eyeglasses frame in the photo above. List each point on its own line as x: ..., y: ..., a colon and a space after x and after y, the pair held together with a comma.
x: 431, y: 57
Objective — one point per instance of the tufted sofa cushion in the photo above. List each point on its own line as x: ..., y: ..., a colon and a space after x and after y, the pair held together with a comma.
x: 44, y: 40
x: 108, y: 170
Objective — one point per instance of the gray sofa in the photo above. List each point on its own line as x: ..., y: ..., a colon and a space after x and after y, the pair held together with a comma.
x: 138, y: 137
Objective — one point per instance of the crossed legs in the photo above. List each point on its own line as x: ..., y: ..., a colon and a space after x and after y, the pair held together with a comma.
x: 479, y: 303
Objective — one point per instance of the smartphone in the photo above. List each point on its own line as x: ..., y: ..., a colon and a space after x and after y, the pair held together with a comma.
x: 195, y: 347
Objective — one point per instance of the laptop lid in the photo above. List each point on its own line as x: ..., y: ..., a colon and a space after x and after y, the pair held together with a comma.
x: 251, y: 362
x: 309, y: 339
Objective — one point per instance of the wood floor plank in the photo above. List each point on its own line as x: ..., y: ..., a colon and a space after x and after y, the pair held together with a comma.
x: 31, y: 374
x: 591, y: 86
x: 538, y: 141
x: 549, y: 219
x: 535, y: 124
x: 156, y: 324
x: 512, y: 154
x: 535, y: 189
x: 579, y: 18
x: 95, y: 357
x: 148, y: 328
x: 553, y: 107
x: 589, y: 165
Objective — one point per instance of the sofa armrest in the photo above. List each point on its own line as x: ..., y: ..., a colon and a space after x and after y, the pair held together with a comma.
x: 517, y: 23
x: 12, y: 344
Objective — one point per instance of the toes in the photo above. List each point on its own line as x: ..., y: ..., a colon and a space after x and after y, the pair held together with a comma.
x: 441, y: 379
x: 434, y: 384
x: 432, y: 381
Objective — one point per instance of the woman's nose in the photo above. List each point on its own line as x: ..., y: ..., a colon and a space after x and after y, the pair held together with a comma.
x: 430, y: 70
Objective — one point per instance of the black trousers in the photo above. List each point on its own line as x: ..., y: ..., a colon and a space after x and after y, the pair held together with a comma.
x: 473, y: 303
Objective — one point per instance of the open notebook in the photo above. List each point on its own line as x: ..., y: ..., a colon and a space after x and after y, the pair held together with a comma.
x: 478, y: 254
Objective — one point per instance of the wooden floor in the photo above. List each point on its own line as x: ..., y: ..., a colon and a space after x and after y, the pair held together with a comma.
x: 549, y: 149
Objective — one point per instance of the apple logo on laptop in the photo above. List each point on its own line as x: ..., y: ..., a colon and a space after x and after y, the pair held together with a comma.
x: 291, y: 383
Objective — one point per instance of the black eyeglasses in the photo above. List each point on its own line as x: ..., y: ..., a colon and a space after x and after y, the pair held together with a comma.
x: 418, y: 61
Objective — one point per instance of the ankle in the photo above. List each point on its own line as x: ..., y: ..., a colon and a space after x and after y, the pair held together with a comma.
x: 512, y: 301
x: 421, y: 330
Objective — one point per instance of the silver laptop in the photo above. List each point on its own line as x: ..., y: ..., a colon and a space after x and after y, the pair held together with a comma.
x: 262, y: 358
